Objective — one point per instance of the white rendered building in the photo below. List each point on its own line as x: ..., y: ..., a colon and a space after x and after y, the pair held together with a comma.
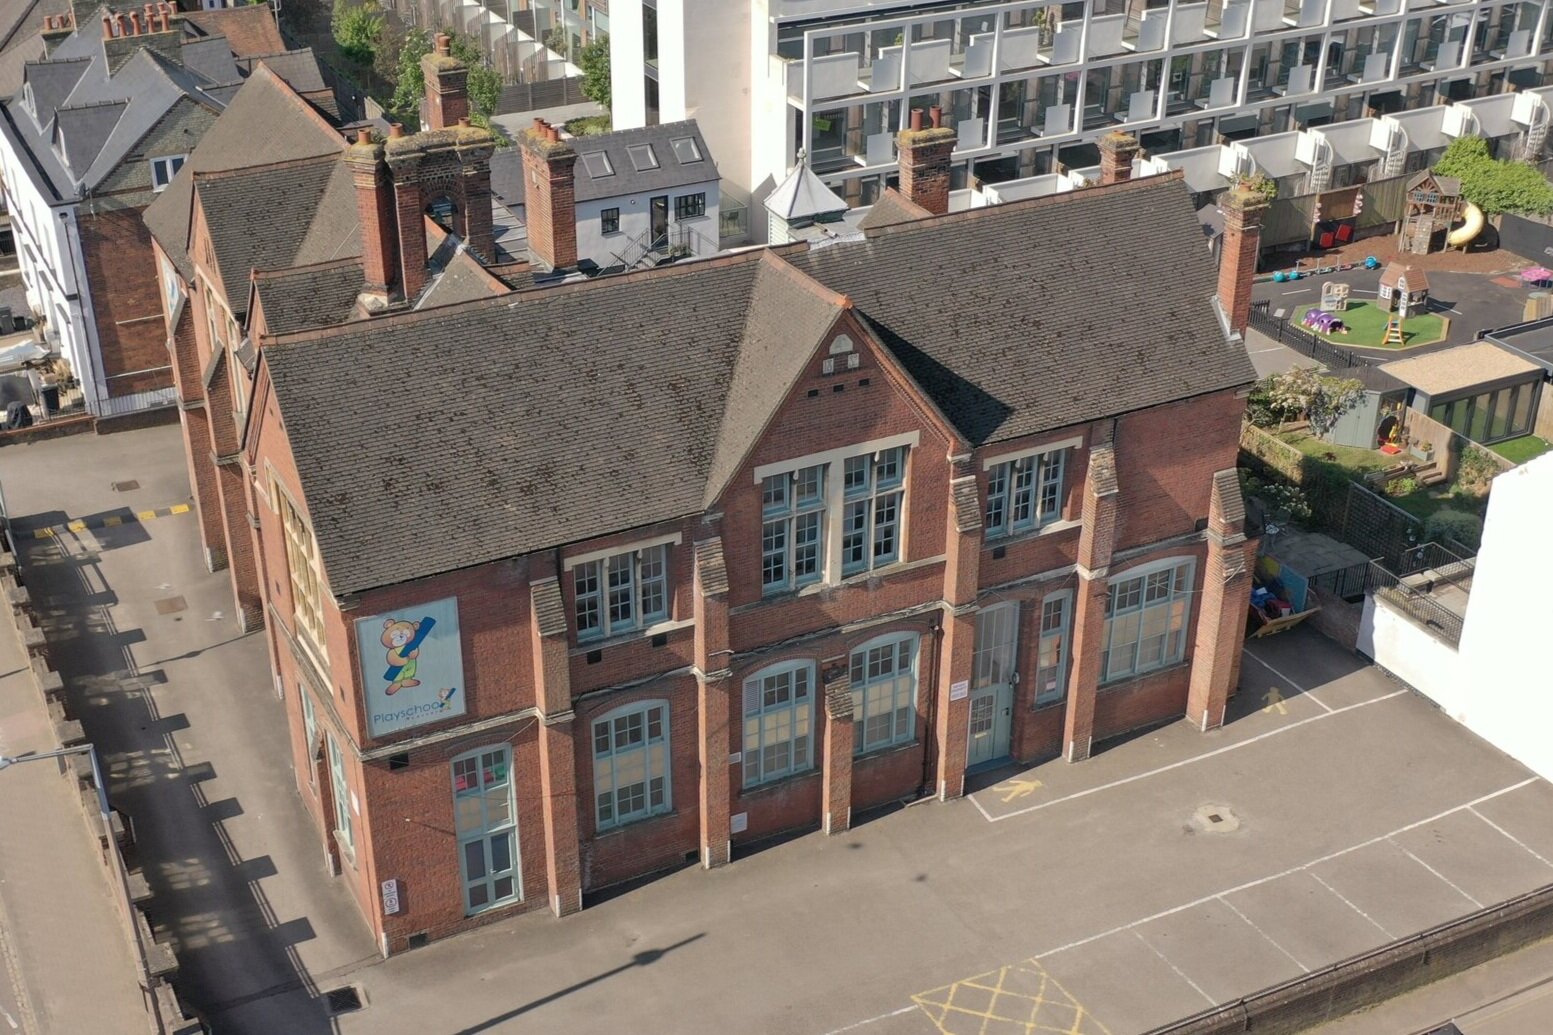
x: 1031, y: 84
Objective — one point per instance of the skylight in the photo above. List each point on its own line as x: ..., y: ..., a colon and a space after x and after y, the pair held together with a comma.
x: 597, y: 164
x: 685, y: 149
x: 642, y: 157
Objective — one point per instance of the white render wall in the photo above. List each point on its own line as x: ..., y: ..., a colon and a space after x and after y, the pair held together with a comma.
x: 636, y: 220
x: 1499, y: 683
x: 48, y: 248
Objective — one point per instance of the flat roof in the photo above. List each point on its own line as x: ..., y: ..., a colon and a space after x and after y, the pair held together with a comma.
x: 1532, y: 340
x: 1463, y: 367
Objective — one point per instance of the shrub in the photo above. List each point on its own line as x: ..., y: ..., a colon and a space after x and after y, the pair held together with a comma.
x: 1474, y: 470
x: 1322, y: 399
x: 1492, y: 185
x: 1466, y: 529
x: 1404, y: 486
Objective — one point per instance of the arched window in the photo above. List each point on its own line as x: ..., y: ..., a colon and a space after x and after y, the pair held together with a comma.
x: 631, y: 763
x: 884, y: 692
x: 778, y: 722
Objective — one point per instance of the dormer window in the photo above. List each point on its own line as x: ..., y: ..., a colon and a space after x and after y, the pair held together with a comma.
x: 164, y: 169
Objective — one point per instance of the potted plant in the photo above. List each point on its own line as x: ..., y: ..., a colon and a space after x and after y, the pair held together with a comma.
x: 1422, y: 450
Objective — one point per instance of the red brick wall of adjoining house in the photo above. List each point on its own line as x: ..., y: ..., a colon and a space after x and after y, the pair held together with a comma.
x: 126, y: 301
x: 658, y: 842
x: 805, y: 425
x: 1140, y: 702
x: 1165, y: 460
x: 415, y: 842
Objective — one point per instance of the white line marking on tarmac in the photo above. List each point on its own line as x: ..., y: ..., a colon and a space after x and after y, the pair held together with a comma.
x: 1291, y: 870
x: 1308, y: 693
x: 9, y: 1019
x: 1344, y: 900
x: 1511, y: 836
x: 871, y: 1020
x: 1453, y: 885
x: 1179, y: 973
x: 1185, y: 761
x: 1264, y: 934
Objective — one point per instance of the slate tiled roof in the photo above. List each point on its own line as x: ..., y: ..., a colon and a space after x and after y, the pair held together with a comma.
x: 21, y: 37
x: 249, y: 29
x: 492, y: 429
x: 891, y: 209
x: 626, y: 178
x: 309, y: 296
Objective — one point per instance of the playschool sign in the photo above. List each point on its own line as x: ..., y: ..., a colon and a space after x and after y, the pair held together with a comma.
x: 412, y: 666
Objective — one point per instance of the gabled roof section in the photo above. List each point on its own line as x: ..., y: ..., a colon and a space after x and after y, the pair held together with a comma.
x: 250, y: 29
x: 803, y: 197
x: 892, y: 209
x: 305, y: 297
x: 47, y: 84
x: 267, y: 123
x: 461, y: 279
x: 788, y: 316
x: 496, y: 441
x: 81, y: 131
x: 211, y: 58
x: 642, y: 159
x: 1040, y: 314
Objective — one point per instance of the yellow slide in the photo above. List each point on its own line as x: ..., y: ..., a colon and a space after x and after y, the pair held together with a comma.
x: 1472, y: 225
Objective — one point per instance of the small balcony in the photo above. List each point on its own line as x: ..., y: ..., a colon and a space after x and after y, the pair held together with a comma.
x: 1430, y: 586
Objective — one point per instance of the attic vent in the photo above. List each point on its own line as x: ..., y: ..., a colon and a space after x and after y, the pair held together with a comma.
x: 642, y: 157
x: 841, y: 343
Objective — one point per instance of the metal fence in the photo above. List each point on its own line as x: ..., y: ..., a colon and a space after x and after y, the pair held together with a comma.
x: 1378, y: 527
x: 1300, y: 340
x: 1350, y: 583
x: 1416, y: 603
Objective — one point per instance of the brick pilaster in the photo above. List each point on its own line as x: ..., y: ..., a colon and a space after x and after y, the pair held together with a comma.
x: 925, y: 155
x: 957, y: 645
x: 1096, y: 540
x: 1243, y: 210
x: 714, y: 686
x: 557, y: 746
x: 840, y: 731
x: 1224, y: 595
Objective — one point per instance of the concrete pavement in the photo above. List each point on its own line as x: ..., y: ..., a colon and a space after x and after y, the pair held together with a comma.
x: 68, y: 963
x: 182, y: 706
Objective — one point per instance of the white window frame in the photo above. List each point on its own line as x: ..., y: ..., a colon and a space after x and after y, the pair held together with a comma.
x: 163, y: 169
x: 1025, y: 492
x: 344, y: 825
x: 792, y: 530
x: 1052, y: 646
x: 898, y: 688
x: 781, y: 727
x: 309, y: 719
x: 623, y: 592
x: 306, y: 573
x: 613, y: 761
x: 497, y: 824
x: 833, y: 507
x: 1140, y: 625
x: 996, y: 652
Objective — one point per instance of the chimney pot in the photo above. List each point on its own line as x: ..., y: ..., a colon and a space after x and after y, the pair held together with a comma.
x: 48, y: 23
x: 134, y: 23
x: 444, y: 44
x: 166, y: 19
x: 539, y: 124
x: 916, y: 118
x: 464, y: 122
x: 107, y: 26
x: 395, y: 130
x: 937, y: 115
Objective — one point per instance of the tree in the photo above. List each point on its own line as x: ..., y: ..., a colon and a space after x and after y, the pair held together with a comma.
x: 484, y: 83
x: 594, y: 62
x: 410, y: 81
x: 1322, y: 399
x: 1492, y: 185
x: 356, y: 29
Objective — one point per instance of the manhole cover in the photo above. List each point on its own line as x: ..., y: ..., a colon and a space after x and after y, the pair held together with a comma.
x: 1215, y: 819
x: 171, y: 605
x: 343, y: 1000
x: 128, y: 486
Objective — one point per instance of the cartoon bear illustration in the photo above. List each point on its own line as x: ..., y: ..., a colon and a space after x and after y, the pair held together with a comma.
x: 397, y: 635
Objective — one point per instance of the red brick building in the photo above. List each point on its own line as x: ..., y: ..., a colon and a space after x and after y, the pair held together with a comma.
x: 577, y: 584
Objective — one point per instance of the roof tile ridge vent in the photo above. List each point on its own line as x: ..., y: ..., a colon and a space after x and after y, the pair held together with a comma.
x: 88, y: 105
x: 55, y: 61
x: 205, y: 175
x: 771, y: 260
x: 1139, y: 184
x: 281, y: 272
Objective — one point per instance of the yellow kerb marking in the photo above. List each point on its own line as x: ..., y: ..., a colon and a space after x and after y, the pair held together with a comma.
x: 178, y: 508
x: 145, y: 515
x: 43, y: 533
x: 77, y: 525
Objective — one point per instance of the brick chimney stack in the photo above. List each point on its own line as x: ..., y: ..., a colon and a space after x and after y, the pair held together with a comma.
x: 1117, y: 150
x: 549, y: 183
x: 375, y: 208
x: 154, y: 27
x: 56, y: 29
x: 1243, y: 208
x: 447, y: 85
x: 924, y: 159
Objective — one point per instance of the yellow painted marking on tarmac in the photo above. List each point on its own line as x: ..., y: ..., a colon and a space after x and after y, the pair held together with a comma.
x: 43, y: 533
x: 179, y: 508
x: 1274, y: 699
x: 1014, y: 789
x: 112, y: 521
x: 77, y: 526
x: 1020, y: 999
x: 145, y: 515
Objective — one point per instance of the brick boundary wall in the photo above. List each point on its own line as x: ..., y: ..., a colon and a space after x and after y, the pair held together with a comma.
x: 158, y: 964
x: 1381, y: 974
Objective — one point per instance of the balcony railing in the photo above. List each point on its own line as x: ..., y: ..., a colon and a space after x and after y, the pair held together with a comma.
x: 1431, y: 588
